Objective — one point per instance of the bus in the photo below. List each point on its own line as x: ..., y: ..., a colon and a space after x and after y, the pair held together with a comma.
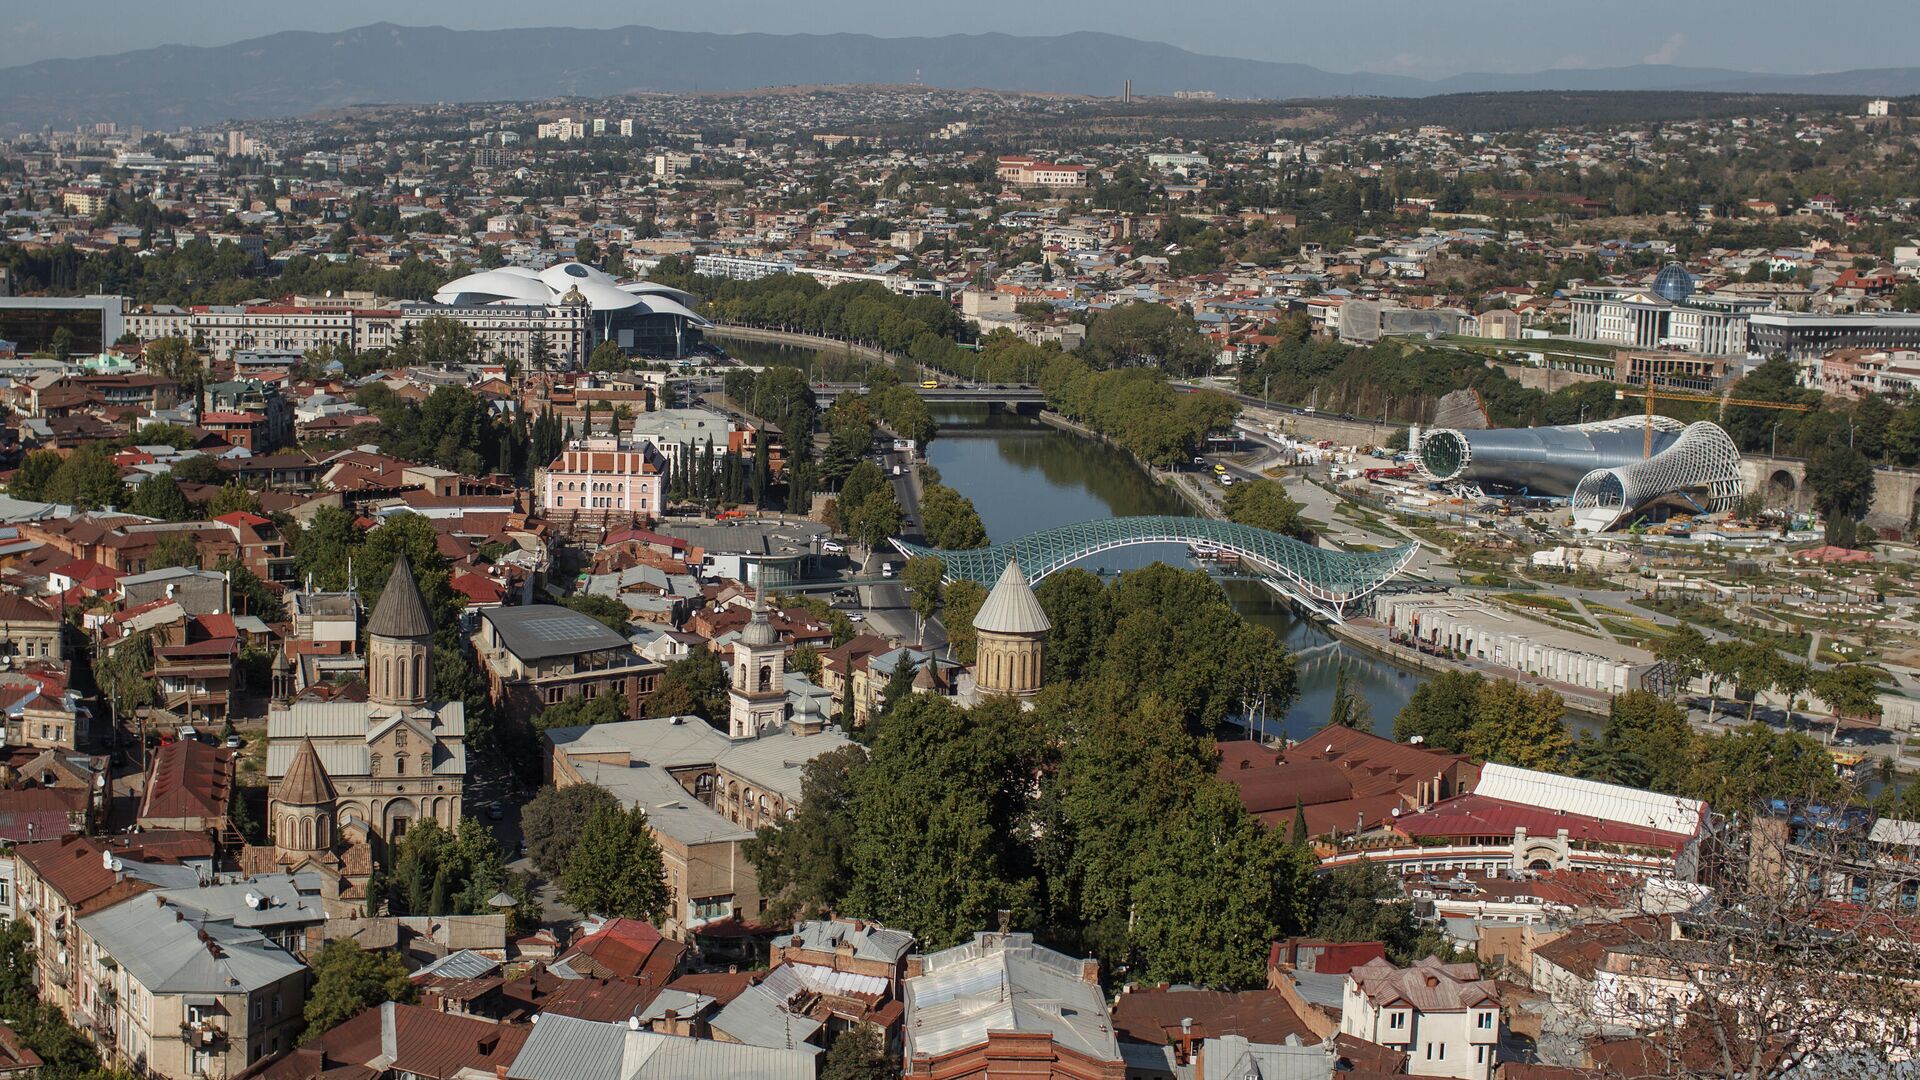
x: 930, y: 384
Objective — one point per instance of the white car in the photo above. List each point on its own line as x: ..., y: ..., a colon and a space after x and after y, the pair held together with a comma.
x: 855, y: 616
x: 833, y: 547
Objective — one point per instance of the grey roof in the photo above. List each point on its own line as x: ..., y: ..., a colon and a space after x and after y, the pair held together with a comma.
x: 159, y: 945
x: 171, y: 573
x: 465, y: 964
x: 758, y: 1017
x: 401, y: 612
x: 869, y: 941
x: 566, y: 1048
x: 1011, y: 608
x: 539, y: 631
x: 1318, y: 989
x: 284, y: 900
x: 1234, y: 1058
x: 771, y: 762
x: 1004, y: 982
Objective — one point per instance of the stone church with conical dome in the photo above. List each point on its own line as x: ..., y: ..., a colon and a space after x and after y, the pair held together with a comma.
x: 1010, y: 638
x: 356, y: 769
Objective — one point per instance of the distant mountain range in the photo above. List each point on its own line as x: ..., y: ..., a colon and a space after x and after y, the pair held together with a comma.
x: 297, y: 72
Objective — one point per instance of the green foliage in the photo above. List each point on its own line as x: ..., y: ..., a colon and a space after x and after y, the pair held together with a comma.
x: 802, y: 861
x: 615, y: 867
x: 453, y: 428
x: 159, y: 497
x: 1363, y: 903
x: 1136, y: 409
x: 348, y: 979
x: 933, y: 813
x: 251, y: 595
x: 1142, y: 334
x: 233, y: 497
x: 87, y: 478
x: 694, y: 685
x: 1215, y: 888
x: 923, y: 576
x: 876, y: 518
x: 1740, y: 770
x: 1264, y: 504
x: 436, y: 872
x: 1348, y: 709
x: 552, y: 820
x: 1842, y: 482
x: 860, y: 1053
x: 605, y: 610
x: 863, y: 480
x: 948, y: 519
x: 960, y: 604
x: 581, y: 711
x: 1495, y: 719
x: 175, y: 549
x: 1075, y: 601
x: 197, y: 469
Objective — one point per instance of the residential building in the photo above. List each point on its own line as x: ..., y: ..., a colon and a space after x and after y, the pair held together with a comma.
x: 189, y: 787
x: 1443, y: 1016
x: 1001, y: 1005
x: 704, y: 793
x: 403, y: 1041
x: 542, y: 654
x: 176, y: 992
x: 1804, y: 337
x: 29, y: 631
x: 1024, y: 171
x: 565, y: 1048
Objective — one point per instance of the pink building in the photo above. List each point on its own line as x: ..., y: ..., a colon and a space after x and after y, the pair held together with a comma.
x: 604, y: 477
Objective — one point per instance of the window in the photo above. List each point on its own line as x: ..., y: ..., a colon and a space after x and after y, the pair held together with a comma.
x: 259, y: 1010
x: 276, y: 1006
x: 1396, y: 1020
x: 1486, y: 1021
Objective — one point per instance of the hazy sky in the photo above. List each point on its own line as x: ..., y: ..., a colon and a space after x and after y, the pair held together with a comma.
x: 1413, y: 37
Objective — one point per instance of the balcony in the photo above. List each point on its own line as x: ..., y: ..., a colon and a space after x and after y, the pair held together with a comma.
x: 203, y: 1033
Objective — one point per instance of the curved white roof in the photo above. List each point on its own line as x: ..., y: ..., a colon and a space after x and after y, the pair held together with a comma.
x: 1011, y: 608
x: 662, y: 304
x: 654, y: 288
x: 508, y: 283
x: 600, y: 295
x: 563, y: 276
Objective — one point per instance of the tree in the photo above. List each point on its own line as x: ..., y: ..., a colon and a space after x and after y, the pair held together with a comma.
x: 1349, y: 709
x: 88, y: 479
x: 553, y: 819
x: 1077, y: 605
x: 1647, y: 743
x: 865, y: 479
x: 175, y: 358
x: 615, y: 868
x: 174, y: 549
x: 159, y: 497
x: 1217, y: 889
x: 348, y: 979
x: 1517, y: 726
x: 605, y: 610
x: 961, y: 603
x: 802, y: 861
x: 251, y: 595
x: 1362, y: 903
x: 694, y: 685
x: 35, y: 473
x: 859, y: 1054
x: 1740, y: 770
x: 1842, y: 482
x: 445, y: 342
x: 233, y: 497
x: 1684, y: 653
x: 1441, y: 710
x: 1848, y: 689
x: 922, y: 577
x: 876, y: 519
x: 1264, y: 504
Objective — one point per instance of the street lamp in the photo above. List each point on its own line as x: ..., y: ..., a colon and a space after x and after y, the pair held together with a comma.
x: 1774, y: 449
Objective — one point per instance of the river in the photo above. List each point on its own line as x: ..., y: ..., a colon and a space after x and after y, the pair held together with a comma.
x: 1024, y: 476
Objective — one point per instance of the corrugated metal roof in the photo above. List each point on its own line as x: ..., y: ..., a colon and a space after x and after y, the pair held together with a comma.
x: 465, y: 964
x: 757, y: 1017
x: 1592, y: 798
x: 1004, y: 982
x: 564, y: 1048
x: 165, y: 953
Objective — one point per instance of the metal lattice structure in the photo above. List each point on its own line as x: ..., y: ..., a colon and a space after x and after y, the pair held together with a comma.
x: 1322, y: 579
x: 1702, y: 461
x: 1540, y: 460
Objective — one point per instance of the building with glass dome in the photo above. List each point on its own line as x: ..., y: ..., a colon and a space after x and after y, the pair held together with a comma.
x: 1668, y: 314
x: 641, y: 317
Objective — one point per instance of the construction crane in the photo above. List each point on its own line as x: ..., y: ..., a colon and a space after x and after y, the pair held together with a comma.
x: 1723, y: 401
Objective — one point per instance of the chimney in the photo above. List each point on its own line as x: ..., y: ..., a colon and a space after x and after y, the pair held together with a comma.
x: 1006, y: 921
x: 916, y: 966
x: 1090, y: 971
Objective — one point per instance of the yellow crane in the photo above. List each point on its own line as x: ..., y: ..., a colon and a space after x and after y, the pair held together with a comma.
x: 1721, y: 400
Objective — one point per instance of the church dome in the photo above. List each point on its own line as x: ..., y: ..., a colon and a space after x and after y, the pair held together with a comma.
x: 1011, y: 608
x: 306, y: 782
x: 402, y: 611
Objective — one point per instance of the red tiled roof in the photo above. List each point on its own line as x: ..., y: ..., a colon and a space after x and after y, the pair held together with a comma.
x: 1477, y: 815
x: 189, y: 779
x: 1154, y: 1016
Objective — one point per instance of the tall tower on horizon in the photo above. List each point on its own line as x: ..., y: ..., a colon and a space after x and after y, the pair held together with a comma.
x: 757, y: 692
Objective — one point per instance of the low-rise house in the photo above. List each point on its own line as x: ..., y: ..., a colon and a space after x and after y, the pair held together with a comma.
x: 1001, y: 1005
x: 1443, y: 1016
x: 190, y: 787
x: 393, y: 1040
x: 565, y: 1048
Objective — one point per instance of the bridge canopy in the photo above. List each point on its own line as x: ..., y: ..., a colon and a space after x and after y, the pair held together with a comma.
x: 1324, y: 579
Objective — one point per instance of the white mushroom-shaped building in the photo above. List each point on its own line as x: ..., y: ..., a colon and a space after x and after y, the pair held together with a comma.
x: 638, y: 316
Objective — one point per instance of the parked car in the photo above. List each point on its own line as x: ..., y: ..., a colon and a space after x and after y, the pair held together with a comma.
x: 235, y: 742
x: 833, y: 547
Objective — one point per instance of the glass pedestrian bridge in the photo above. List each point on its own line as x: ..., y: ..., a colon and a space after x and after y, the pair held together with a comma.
x: 1323, y: 580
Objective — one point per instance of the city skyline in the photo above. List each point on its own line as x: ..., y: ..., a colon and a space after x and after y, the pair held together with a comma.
x: 1397, y: 39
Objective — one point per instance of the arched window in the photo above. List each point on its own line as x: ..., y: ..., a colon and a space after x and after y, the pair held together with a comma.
x: 766, y: 677
x: 420, y: 674
x: 399, y: 764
